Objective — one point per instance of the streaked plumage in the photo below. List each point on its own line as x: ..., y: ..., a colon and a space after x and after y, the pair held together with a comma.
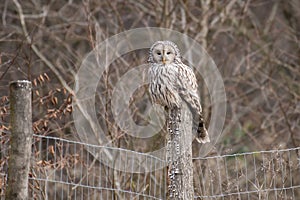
x: 172, y: 82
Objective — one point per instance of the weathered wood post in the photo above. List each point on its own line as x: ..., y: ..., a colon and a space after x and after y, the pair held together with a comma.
x: 179, y: 154
x: 20, y: 140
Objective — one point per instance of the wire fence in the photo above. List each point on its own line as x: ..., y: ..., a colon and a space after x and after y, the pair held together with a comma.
x: 64, y: 169
x: 256, y: 175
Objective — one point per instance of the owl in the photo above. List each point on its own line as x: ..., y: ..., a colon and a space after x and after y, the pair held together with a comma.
x: 171, y: 82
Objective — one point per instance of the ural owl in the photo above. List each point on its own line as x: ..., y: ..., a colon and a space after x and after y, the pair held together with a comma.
x: 171, y: 81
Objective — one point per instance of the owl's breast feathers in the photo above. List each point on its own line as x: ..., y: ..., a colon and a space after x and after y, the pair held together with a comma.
x: 163, y: 85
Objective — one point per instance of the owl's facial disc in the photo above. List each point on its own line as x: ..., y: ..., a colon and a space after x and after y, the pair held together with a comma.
x: 164, y: 54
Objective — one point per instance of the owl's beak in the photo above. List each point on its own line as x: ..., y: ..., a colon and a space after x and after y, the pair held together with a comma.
x: 164, y: 60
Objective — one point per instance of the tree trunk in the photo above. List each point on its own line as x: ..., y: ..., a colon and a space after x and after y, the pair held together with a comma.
x: 179, y: 154
x: 20, y: 141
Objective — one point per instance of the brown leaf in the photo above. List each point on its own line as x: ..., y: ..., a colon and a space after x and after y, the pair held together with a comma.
x: 47, y: 77
x: 51, y: 149
x: 42, y: 78
x: 34, y: 82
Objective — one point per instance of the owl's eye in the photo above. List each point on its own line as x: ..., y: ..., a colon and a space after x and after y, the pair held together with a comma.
x: 168, y: 52
x: 158, y: 53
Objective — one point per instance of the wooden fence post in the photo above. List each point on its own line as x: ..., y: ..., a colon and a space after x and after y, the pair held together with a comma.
x: 179, y: 155
x: 20, y: 140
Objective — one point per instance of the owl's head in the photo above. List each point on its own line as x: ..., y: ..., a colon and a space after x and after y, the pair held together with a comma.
x: 164, y: 52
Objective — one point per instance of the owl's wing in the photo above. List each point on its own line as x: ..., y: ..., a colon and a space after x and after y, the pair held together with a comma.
x: 187, y: 89
x: 187, y: 86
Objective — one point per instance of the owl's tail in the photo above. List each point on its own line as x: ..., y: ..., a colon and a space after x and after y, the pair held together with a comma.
x: 202, y: 134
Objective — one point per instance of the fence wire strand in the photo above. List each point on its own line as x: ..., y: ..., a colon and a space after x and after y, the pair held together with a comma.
x: 64, y: 169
